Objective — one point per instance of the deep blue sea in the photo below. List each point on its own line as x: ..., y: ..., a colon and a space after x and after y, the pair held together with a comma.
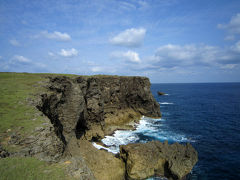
x: 205, y: 114
x: 208, y: 115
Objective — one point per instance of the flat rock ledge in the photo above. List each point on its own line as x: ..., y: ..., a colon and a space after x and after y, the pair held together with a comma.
x: 154, y: 158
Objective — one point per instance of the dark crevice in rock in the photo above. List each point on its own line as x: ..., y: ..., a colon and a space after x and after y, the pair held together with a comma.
x: 81, y: 126
x: 45, y: 107
x: 168, y: 173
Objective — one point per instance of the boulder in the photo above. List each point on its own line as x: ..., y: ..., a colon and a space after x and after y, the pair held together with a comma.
x: 160, y: 93
x: 173, y: 161
x: 103, y: 165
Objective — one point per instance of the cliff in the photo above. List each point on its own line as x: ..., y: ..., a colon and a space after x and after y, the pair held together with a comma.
x: 75, y: 110
x: 86, y: 108
x: 94, y: 106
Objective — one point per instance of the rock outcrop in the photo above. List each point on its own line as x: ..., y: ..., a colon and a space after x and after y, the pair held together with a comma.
x: 104, y: 165
x: 160, y: 93
x: 94, y: 106
x: 174, y: 161
x: 87, y: 108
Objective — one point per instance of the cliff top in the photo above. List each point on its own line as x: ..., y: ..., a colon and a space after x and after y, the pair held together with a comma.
x: 17, y: 92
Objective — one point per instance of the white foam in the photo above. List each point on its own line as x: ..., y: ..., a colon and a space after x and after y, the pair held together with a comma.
x: 148, y: 127
x: 157, y: 178
x: 120, y: 137
x: 102, y: 147
x: 165, y: 103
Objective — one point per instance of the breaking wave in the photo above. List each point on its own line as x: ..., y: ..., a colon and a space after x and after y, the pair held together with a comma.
x: 165, y: 103
x: 146, y: 130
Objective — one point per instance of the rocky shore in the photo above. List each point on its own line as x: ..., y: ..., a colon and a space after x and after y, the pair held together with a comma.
x: 83, y: 109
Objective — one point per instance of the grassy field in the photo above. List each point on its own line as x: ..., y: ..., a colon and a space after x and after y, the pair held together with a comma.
x: 16, y: 90
x: 29, y: 169
x: 17, y: 114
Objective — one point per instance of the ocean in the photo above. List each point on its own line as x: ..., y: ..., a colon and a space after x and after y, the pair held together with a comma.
x: 205, y: 114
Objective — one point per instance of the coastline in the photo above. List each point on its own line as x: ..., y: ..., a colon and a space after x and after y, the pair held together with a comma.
x: 81, y: 109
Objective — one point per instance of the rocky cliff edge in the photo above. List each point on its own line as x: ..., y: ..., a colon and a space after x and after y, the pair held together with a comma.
x: 94, y: 106
x: 86, y: 108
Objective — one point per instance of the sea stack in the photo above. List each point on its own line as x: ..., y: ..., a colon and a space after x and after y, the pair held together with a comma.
x: 160, y: 93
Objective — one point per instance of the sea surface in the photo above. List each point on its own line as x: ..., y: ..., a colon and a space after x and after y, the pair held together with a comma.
x: 205, y: 114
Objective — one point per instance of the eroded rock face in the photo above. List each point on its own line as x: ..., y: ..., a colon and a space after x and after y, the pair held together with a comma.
x: 95, y: 106
x: 155, y: 158
x: 88, y: 108
x: 43, y: 144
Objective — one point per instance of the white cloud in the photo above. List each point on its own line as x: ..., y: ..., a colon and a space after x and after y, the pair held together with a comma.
x: 51, y: 54
x: 229, y: 38
x: 228, y: 66
x: 170, y: 55
x: 233, y: 27
x: 129, y: 56
x: 96, y: 69
x: 175, y: 56
x: 103, y: 69
x: 21, y: 59
x: 126, y: 5
x: 129, y: 38
x: 19, y: 63
x: 132, y: 56
x: 236, y: 47
x: 56, y: 35
x: 40, y: 65
x: 14, y: 42
x: 68, y: 52
x: 177, y: 52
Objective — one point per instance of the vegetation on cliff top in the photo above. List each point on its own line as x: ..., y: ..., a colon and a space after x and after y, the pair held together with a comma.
x: 17, y: 90
x: 28, y: 169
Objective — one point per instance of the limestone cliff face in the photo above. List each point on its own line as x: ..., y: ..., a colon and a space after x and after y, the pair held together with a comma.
x: 93, y: 106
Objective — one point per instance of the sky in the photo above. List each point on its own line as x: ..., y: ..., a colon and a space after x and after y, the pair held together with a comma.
x: 169, y: 41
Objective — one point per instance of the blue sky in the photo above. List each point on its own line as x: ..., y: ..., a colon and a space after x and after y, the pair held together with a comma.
x: 165, y: 40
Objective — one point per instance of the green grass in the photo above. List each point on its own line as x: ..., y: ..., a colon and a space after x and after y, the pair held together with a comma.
x: 16, y: 92
x: 15, y: 111
x: 29, y: 169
